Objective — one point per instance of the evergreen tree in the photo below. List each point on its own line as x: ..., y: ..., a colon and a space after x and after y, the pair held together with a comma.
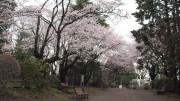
x: 160, y: 34
x: 80, y: 5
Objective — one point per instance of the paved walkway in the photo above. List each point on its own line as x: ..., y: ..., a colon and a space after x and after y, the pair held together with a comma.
x: 116, y: 94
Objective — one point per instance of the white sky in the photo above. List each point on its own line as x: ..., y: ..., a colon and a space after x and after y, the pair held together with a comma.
x: 125, y: 26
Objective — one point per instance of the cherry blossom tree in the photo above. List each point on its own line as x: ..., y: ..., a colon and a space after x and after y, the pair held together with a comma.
x: 6, y: 19
x: 65, y: 34
x: 59, y: 17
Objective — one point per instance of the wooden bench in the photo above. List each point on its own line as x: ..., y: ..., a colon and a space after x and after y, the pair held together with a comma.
x: 62, y: 86
x: 161, y: 91
x: 80, y: 94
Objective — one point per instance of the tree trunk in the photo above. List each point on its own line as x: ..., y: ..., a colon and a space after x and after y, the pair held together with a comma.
x: 88, y: 77
x: 174, y: 81
x: 62, y: 76
x: 152, y: 75
x: 64, y: 68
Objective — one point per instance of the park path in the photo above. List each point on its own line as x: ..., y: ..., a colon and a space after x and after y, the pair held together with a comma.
x: 116, y: 94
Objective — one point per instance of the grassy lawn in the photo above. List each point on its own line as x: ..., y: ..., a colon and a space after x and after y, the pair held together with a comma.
x: 48, y: 94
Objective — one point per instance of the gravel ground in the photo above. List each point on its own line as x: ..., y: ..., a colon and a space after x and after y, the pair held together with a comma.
x: 116, y: 94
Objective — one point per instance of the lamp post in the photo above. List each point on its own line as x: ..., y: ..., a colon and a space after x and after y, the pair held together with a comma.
x: 82, y: 81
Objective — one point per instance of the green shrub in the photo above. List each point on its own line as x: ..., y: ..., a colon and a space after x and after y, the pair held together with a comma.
x: 146, y: 86
x: 159, y: 83
x: 104, y: 85
x: 34, y: 73
x: 53, y: 80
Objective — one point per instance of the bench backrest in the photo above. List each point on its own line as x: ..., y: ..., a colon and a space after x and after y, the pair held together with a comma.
x: 78, y: 90
x: 163, y: 88
x: 63, y: 84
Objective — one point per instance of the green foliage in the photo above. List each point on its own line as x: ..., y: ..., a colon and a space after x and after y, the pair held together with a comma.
x: 30, y: 74
x: 178, y: 55
x: 102, y: 22
x: 125, y: 79
x: 27, y: 55
x: 34, y: 72
x: 160, y: 35
x: 104, y: 84
x: 119, y: 75
x: 146, y: 86
x: 53, y: 80
x: 80, y: 4
x: 96, y: 78
x: 162, y: 82
x: 21, y: 54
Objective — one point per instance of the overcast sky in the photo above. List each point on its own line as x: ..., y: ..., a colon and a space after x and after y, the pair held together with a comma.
x: 125, y: 26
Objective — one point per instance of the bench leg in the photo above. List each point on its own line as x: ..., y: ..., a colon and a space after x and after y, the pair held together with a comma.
x: 160, y: 92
